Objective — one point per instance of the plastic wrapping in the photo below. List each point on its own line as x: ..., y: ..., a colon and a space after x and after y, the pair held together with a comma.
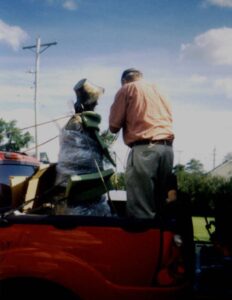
x: 79, y: 154
x: 99, y: 208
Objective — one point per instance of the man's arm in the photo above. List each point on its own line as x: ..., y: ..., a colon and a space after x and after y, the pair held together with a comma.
x: 118, y: 111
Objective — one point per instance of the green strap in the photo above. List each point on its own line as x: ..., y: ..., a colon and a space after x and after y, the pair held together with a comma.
x: 104, y: 148
x: 91, y: 121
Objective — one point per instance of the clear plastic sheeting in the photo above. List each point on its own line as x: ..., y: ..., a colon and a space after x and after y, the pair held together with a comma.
x: 99, y: 207
x: 79, y: 154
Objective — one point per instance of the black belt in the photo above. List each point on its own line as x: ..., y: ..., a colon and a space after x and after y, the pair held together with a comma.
x: 147, y: 142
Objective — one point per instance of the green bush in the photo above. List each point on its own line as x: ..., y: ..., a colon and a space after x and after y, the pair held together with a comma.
x: 203, y: 190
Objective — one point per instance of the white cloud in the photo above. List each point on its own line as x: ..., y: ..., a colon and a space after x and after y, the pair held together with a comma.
x: 16, y: 87
x: 225, y: 85
x: 214, y: 46
x: 220, y: 3
x: 66, y: 4
x: 70, y: 5
x: 198, y: 79
x: 12, y: 35
x: 198, y: 131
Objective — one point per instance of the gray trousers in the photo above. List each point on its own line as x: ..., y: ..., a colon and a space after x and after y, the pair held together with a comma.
x: 147, y: 172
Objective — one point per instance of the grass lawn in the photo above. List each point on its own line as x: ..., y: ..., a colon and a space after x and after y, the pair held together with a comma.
x: 199, y: 229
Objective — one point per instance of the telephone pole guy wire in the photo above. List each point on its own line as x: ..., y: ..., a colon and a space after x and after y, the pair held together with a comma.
x: 37, y: 49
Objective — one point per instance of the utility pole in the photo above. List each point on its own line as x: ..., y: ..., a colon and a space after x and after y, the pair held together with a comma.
x: 37, y: 49
x: 214, y: 157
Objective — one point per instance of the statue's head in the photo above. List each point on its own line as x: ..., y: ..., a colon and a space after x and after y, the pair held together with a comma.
x: 87, y: 95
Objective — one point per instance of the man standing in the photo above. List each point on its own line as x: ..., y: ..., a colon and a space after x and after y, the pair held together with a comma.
x: 146, y: 120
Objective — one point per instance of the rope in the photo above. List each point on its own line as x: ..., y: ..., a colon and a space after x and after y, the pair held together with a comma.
x: 47, y: 141
x: 113, y: 210
x: 44, y: 123
x: 40, y: 124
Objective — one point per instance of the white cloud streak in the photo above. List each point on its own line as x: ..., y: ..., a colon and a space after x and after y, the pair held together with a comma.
x: 213, y: 46
x: 224, y: 85
x: 197, y: 133
x: 70, y: 5
x: 198, y: 79
x: 66, y: 4
x: 13, y: 36
x: 195, y: 136
x: 219, y: 3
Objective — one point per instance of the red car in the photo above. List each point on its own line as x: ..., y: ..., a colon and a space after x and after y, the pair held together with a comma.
x: 86, y: 257
x: 14, y: 164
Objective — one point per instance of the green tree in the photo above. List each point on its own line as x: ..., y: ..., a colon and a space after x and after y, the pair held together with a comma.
x: 194, y: 166
x: 12, y: 138
x: 178, y: 168
x: 118, y: 181
x: 203, y: 191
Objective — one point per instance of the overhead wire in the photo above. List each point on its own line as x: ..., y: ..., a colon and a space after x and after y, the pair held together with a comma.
x: 40, y: 124
x: 47, y: 141
x: 47, y: 122
x: 53, y: 138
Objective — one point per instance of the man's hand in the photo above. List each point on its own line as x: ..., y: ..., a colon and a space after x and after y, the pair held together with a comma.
x: 172, y: 196
x: 114, y: 129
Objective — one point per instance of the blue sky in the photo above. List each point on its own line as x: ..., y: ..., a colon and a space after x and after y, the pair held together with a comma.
x: 184, y: 46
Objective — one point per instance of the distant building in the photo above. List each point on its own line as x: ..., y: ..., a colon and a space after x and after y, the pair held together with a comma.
x: 224, y: 170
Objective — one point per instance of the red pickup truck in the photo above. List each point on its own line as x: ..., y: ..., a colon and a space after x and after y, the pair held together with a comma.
x: 86, y: 257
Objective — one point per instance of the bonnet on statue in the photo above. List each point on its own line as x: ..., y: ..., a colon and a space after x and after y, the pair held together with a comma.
x: 87, y: 95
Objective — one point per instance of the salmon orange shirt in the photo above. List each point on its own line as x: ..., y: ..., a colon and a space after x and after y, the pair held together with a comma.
x: 141, y: 112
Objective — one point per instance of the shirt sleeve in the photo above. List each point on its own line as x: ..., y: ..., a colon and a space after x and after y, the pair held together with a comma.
x: 118, y: 109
